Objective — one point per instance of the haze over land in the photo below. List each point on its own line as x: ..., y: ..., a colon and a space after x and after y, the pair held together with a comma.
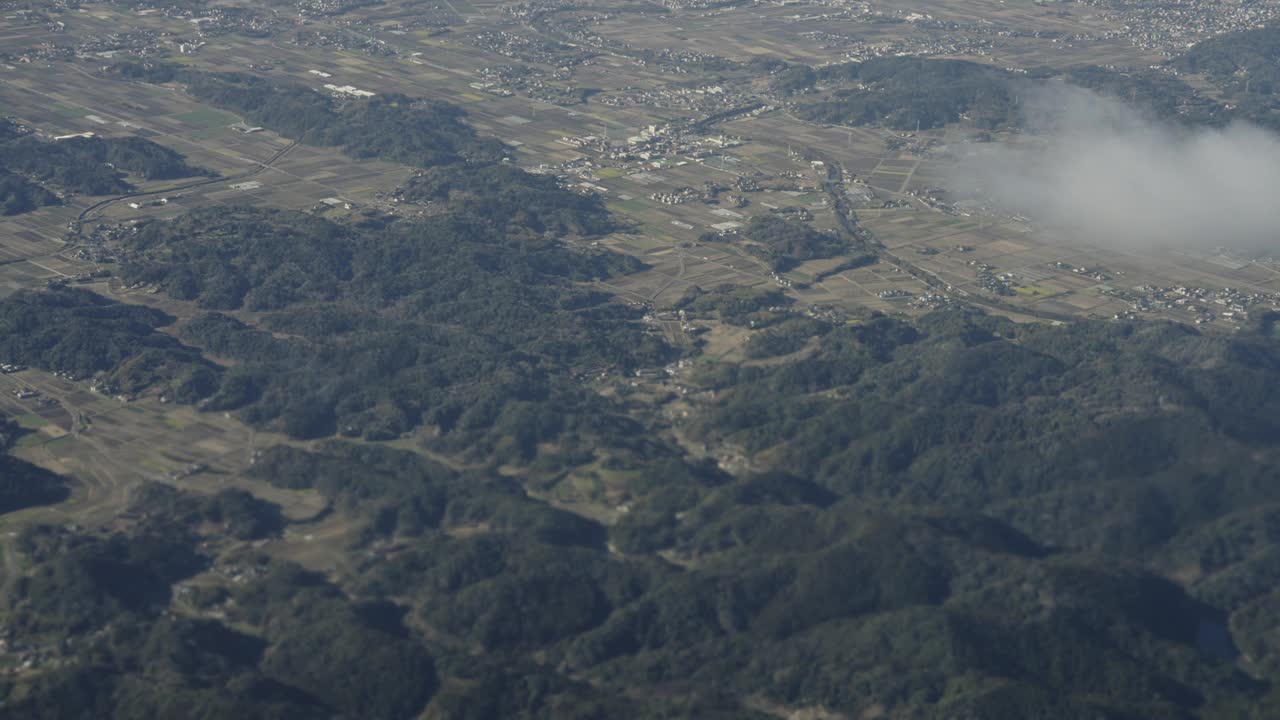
x: 1094, y: 169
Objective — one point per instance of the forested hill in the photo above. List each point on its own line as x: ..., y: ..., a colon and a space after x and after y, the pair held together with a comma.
x: 955, y: 517
x: 473, y: 324
x: 413, y: 131
x: 91, y: 166
x: 81, y: 333
x: 544, y: 513
x: 22, y: 484
x: 450, y: 321
x: 906, y: 93
x: 19, y: 195
x: 1248, y: 54
x: 1245, y: 65
x: 1093, y: 435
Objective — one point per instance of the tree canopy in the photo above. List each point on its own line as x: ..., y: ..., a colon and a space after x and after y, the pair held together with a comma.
x: 393, y: 127
x: 87, y: 165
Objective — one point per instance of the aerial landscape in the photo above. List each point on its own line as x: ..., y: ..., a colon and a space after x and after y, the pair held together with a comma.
x: 587, y: 359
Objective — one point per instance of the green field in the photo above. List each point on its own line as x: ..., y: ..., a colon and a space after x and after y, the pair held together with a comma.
x: 1035, y: 291
x: 206, y: 118
x: 68, y: 111
x: 629, y: 206
x: 28, y: 440
x: 32, y: 421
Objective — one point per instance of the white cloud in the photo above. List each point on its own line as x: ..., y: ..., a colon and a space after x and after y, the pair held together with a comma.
x: 1093, y: 170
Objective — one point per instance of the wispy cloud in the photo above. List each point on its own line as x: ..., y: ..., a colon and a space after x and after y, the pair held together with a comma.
x: 1095, y: 170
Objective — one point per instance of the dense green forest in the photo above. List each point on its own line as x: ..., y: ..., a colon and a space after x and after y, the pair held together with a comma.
x: 1245, y: 65
x: 1247, y: 54
x: 19, y: 195
x: 465, y: 324
x: 402, y: 495
x: 905, y: 93
x: 468, y: 321
x: 787, y: 243
x: 952, y: 517
x: 783, y: 592
x: 83, y: 334
x: 92, y: 166
x: 1128, y: 425
x: 286, y: 643
x: 413, y: 131
x: 135, y: 660
x: 22, y: 484
x: 512, y: 199
x: 735, y: 305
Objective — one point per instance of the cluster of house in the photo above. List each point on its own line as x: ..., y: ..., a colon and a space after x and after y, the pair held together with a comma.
x: 537, y: 84
x: 991, y: 281
x: 1171, y: 27
x: 890, y: 294
x: 1091, y: 273
x: 348, y: 91
x: 932, y: 300
x: 678, y: 196
x: 1204, y: 305
x: 530, y: 48
x: 341, y: 40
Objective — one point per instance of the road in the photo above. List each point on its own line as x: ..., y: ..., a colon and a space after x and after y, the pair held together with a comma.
x: 264, y: 165
x: 848, y: 223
